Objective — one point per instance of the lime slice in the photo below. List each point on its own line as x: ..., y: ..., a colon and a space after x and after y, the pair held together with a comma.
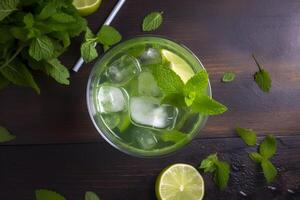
x: 178, y: 65
x: 86, y: 7
x: 180, y: 182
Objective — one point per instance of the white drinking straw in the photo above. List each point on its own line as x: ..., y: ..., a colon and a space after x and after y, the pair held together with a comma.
x: 109, y: 19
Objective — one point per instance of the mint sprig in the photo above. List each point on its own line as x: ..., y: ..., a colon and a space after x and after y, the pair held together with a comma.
x: 152, y: 21
x: 107, y: 36
x: 191, y: 95
x: 262, y: 77
x: 7, y: 7
x: 221, y: 170
x: 267, y: 149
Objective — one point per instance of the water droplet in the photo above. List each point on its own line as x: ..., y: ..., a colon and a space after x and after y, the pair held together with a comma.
x: 290, y: 191
x: 243, y: 193
x: 272, y: 188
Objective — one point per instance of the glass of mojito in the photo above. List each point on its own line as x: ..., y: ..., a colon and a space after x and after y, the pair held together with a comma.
x: 149, y: 96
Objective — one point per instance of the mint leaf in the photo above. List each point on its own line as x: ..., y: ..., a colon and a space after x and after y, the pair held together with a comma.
x: 44, y: 194
x: 220, y: 169
x: 91, y: 196
x: 248, y: 135
x: 57, y: 71
x: 41, y: 48
x: 228, y: 77
x: 207, y: 106
x: 167, y: 80
x: 268, y: 146
x: 208, y: 164
x: 172, y: 136
x: 5, y: 135
x: 7, y: 7
x: 195, y: 86
x: 62, y: 17
x: 175, y: 99
x: 28, y: 20
x: 152, y: 21
x: 262, y: 77
x: 17, y: 73
x: 270, y: 172
x: 48, y: 10
x: 222, y: 174
x: 88, y: 51
x: 3, y: 82
x: 19, y: 33
x: 108, y: 35
x: 256, y: 157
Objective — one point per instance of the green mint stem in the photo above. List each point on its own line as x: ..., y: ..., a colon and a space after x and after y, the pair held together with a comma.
x: 258, y: 65
x: 20, y: 48
x: 182, y: 120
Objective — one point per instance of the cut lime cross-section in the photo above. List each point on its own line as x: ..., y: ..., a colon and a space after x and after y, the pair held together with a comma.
x: 180, y: 182
x: 86, y: 7
x: 178, y: 65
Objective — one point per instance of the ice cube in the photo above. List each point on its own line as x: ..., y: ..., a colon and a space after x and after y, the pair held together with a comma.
x: 147, y: 85
x: 145, y: 138
x: 147, y: 112
x: 123, y: 69
x: 151, y: 56
x: 111, y: 99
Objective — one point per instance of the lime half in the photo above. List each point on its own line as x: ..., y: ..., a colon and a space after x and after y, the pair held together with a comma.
x: 180, y: 182
x: 178, y: 65
x: 86, y: 7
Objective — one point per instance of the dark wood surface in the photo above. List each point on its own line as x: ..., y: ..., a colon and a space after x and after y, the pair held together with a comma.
x: 57, y: 146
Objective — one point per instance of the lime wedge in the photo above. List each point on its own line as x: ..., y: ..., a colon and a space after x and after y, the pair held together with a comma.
x: 86, y: 7
x: 180, y: 182
x: 178, y: 65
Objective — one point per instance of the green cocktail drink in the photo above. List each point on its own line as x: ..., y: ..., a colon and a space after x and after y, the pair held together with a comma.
x: 125, y: 102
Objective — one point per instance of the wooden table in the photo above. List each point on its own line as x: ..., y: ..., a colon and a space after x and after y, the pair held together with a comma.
x: 58, y: 148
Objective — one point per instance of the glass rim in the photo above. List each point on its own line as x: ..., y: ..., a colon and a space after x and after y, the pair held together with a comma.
x: 120, y: 147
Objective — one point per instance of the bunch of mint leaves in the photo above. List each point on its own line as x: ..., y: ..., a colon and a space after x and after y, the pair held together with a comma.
x: 191, y: 95
x: 33, y: 34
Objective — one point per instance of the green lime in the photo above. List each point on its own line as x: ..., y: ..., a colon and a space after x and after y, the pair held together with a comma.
x: 86, y: 7
x: 178, y: 65
x: 179, y: 182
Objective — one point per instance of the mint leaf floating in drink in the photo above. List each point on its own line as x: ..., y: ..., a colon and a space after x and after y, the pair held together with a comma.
x: 248, y: 135
x: 262, y: 77
x: 5, y: 135
x: 152, y: 21
x: 228, y: 77
x: 267, y: 149
x: 44, y: 194
x: 172, y: 136
x: 220, y: 169
x: 7, y: 7
x: 91, y: 196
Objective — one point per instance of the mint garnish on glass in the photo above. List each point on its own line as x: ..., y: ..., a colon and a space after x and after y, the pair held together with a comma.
x: 191, y: 95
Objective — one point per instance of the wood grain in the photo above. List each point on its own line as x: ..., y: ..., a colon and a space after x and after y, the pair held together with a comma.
x: 75, y: 168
